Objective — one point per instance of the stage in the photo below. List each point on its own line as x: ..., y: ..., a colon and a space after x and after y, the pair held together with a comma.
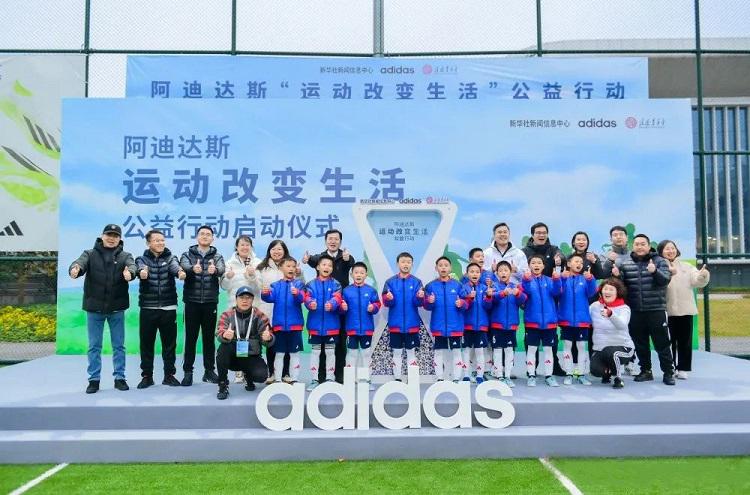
x: 45, y: 417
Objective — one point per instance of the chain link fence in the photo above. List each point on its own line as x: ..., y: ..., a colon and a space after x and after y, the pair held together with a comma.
x: 696, y: 49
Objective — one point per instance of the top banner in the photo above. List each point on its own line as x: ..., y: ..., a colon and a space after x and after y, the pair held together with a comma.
x: 310, y: 78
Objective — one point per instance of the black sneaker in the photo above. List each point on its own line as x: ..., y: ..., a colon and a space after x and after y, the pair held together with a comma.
x: 668, y: 379
x: 210, y: 377
x: 93, y: 387
x: 187, y: 380
x: 146, y: 382
x: 171, y: 381
x: 644, y: 376
x: 606, y: 377
x: 250, y: 386
x: 618, y: 383
x: 122, y: 385
x: 223, y: 391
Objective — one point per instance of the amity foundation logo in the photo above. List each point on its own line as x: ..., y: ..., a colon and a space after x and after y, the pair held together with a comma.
x: 493, y: 411
x: 645, y: 122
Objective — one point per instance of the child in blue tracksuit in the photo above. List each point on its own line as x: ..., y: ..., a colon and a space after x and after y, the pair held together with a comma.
x: 403, y: 295
x: 360, y: 302
x: 486, y: 277
x: 574, y: 318
x: 540, y: 317
x: 322, y: 299
x: 504, y: 320
x: 445, y: 298
x: 476, y: 321
x: 287, y: 296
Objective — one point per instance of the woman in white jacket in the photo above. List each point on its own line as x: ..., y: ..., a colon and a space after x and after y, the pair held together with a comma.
x: 613, y: 347
x: 681, y: 307
x: 241, y: 270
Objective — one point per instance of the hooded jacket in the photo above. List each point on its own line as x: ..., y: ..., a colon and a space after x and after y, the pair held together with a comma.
x: 105, y: 289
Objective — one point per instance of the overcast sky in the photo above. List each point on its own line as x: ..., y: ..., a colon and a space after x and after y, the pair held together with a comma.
x: 346, y: 26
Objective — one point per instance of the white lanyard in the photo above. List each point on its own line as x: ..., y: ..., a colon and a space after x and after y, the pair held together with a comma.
x: 249, y: 324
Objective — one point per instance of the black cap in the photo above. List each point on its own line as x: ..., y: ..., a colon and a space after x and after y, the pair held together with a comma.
x: 111, y: 228
x: 244, y: 290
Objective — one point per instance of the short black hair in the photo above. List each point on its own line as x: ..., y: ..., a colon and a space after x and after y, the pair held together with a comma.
x: 444, y: 258
x: 325, y: 256
x: 644, y: 236
x: 359, y: 264
x: 539, y: 256
x: 333, y: 231
x: 404, y: 254
x: 498, y: 225
x: 205, y: 227
x: 619, y: 228
x: 473, y: 264
x: 288, y: 258
x: 152, y: 232
x: 474, y: 250
x: 243, y: 238
x: 574, y: 255
x: 537, y: 225
x: 504, y: 263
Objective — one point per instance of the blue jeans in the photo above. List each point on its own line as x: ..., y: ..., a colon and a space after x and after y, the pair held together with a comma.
x: 95, y: 322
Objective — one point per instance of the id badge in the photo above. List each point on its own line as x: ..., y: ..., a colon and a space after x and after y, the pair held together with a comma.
x: 243, y: 347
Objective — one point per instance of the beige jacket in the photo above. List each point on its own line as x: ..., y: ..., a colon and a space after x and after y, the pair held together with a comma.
x: 680, y: 295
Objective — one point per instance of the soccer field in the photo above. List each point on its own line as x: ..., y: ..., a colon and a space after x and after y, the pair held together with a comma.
x: 723, y: 475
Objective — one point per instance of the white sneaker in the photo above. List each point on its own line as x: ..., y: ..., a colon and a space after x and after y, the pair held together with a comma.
x: 568, y: 380
x: 239, y: 377
x: 531, y: 381
x: 682, y: 375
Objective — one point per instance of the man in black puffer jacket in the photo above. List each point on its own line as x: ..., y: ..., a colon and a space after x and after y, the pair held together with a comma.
x: 157, y: 298
x: 203, y: 267
x: 108, y: 269
x: 646, y: 276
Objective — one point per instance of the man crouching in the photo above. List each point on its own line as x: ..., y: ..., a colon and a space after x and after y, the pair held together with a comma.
x: 241, y: 331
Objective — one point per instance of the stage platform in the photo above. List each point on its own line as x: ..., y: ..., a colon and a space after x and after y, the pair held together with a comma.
x: 46, y: 417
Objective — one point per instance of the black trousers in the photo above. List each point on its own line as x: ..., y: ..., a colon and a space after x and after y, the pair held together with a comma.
x: 199, y: 318
x: 164, y: 322
x: 270, y: 356
x: 608, y: 360
x: 651, y: 324
x: 590, y: 348
x: 681, y: 337
x: 254, y: 367
x: 340, y: 353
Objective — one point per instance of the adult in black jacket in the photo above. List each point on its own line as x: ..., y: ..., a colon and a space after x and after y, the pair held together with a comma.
x: 646, y: 276
x: 343, y: 262
x: 241, y: 332
x: 553, y: 258
x: 157, y: 298
x: 203, y: 267
x: 108, y: 269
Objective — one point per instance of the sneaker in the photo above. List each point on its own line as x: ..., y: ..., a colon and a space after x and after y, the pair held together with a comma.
x: 668, y: 379
x: 250, y: 386
x: 93, y: 387
x: 122, y: 385
x: 466, y: 379
x: 509, y: 382
x: 312, y: 385
x: 584, y: 380
x: 171, y: 381
x: 618, y: 383
x: 568, y: 380
x: 440, y: 380
x: 480, y: 380
x: 397, y: 380
x: 513, y: 376
x: 287, y: 379
x: 269, y: 380
x: 606, y: 377
x: 458, y: 381
x: 551, y: 381
x: 210, y: 377
x: 187, y: 380
x: 644, y: 376
x: 223, y: 391
x: 473, y: 378
x: 146, y: 382
x: 488, y: 376
x: 682, y: 375
x: 531, y: 381
x: 239, y: 377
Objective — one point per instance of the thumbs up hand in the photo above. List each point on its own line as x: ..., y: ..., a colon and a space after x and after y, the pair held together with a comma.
x: 197, y: 268
x: 588, y: 274
x: 211, y: 267
x: 591, y: 257
x: 328, y: 306
x: 127, y: 275
x: 672, y: 267
x: 74, y: 271
x: 230, y: 272
x: 458, y: 302
x: 389, y: 295
x: 266, y: 335
x: 294, y: 291
x: 651, y: 267
x: 181, y: 274
x: 313, y: 305
x: 344, y: 306
x: 143, y: 273
x: 431, y: 298
x: 420, y: 293
x: 370, y: 308
x: 345, y: 254
x: 305, y: 257
x: 615, y: 271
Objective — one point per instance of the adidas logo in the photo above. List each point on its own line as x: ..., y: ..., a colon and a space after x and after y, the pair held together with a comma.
x: 11, y: 229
